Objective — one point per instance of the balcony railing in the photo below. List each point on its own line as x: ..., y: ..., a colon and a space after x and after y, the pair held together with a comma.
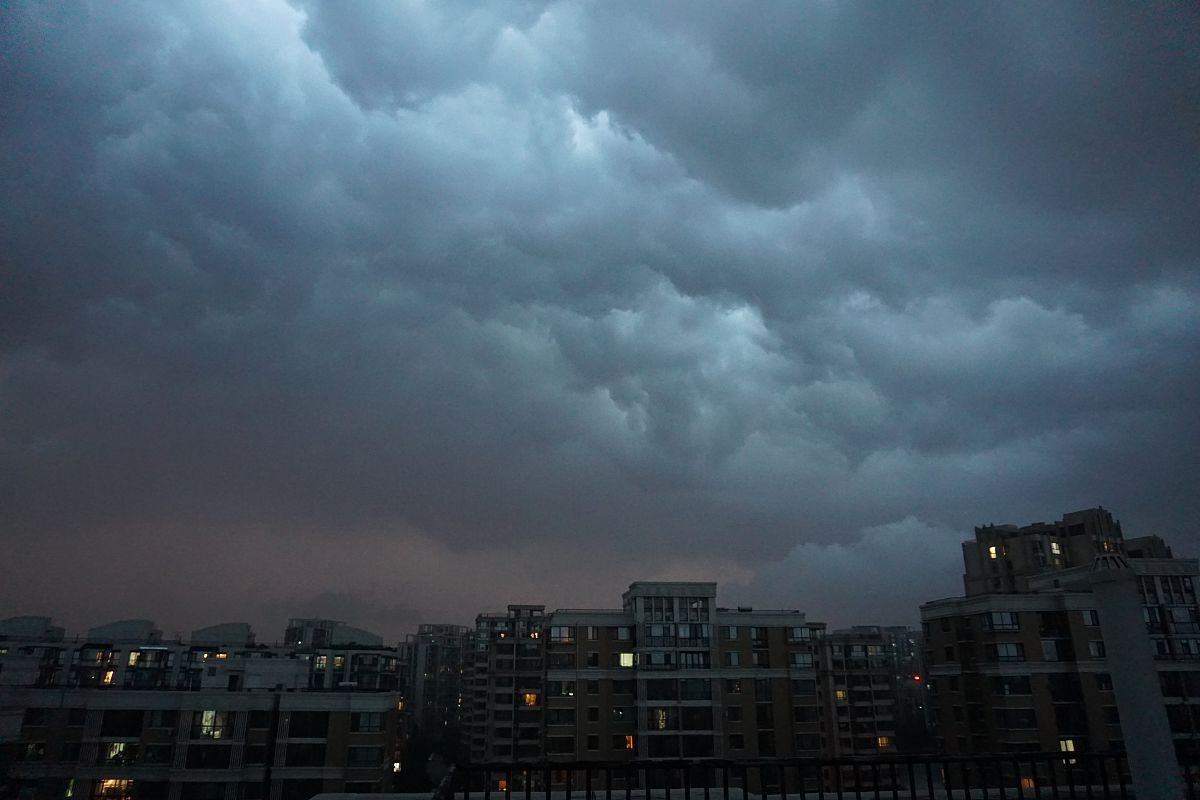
x: 920, y: 777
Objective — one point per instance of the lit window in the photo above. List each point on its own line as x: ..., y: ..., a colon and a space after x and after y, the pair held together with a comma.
x: 530, y: 699
x: 1067, y: 746
x: 339, y: 662
x: 840, y: 694
x: 993, y: 552
x: 882, y: 741
x: 626, y: 660
x: 629, y: 742
x: 321, y: 662
x: 395, y: 766
x: 1027, y: 782
x: 502, y: 784
x: 532, y: 635
x: 108, y: 677
x: 133, y: 657
x: 1056, y: 548
x: 222, y: 656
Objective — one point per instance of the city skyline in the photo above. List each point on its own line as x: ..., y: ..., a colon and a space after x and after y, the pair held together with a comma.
x: 382, y: 312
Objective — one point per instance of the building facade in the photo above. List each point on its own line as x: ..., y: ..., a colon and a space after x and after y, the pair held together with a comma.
x: 435, y: 664
x: 670, y: 675
x: 123, y: 714
x: 1025, y: 667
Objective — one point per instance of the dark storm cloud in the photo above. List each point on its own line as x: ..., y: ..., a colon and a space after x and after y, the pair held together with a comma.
x: 752, y: 293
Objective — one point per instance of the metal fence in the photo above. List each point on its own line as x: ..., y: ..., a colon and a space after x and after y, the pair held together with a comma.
x: 923, y: 777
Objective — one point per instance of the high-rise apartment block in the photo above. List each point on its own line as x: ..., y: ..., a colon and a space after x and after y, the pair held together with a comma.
x: 670, y: 674
x: 434, y: 663
x: 1021, y: 664
x: 125, y: 714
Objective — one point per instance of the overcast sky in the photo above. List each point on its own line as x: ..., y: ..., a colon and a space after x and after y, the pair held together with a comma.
x: 396, y: 312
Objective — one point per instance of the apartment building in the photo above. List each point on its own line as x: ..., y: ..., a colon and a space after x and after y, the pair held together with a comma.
x: 505, y: 685
x: 435, y: 662
x: 1025, y: 667
x: 124, y: 714
x: 667, y: 675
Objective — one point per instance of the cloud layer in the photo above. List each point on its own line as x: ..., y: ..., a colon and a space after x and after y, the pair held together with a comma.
x: 556, y: 296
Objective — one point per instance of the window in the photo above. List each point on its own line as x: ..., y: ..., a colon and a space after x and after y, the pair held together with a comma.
x: 593, y: 687
x: 760, y: 658
x: 839, y: 694
x: 593, y: 660
x: 216, y: 756
x: 1067, y: 746
x: 766, y: 743
x: 122, y: 753
x: 737, y: 741
x: 993, y: 552
x: 593, y: 633
x: 622, y: 687
x: 256, y: 754
x: 731, y: 659
x: 1096, y: 649
x: 122, y: 723
x: 625, y: 660
x: 1104, y: 681
x: 730, y: 632
x: 662, y: 719
x: 76, y: 717
x: 804, y: 687
x: 624, y: 634
x: 800, y: 634
x: 593, y: 714
x: 366, y: 722
x: 662, y: 690
x: 624, y: 742
x: 1007, y: 685
x: 529, y: 699
x: 560, y: 688
x: 1006, y: 651
x: 560, y: 716
x: 733, y: 686
x: 593, y: 742
x: 308, y: 724
x: 695, y: 689
x: 882, y: 741
x: 34, y: 751
x: 364, y: 757
x: 211, y: 725
x: 305, y: 755
x: 562, y: 633
x: 622, y: 714
x: 1056, y: 549
x: 1001, y: 621
x: 802, y: 660
x: 1091, y: 618
x: 733, y: 713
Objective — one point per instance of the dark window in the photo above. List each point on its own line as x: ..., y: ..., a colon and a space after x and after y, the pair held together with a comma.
x: 122, y: 723
x: 593, y: 687
x: 308, y: 725
x: 366, y: 722
x: 76, y: 717
x: 306, y: 755
x: 697, y: 746
x: 208, y: 756
x: 766, y: 743
x: 260, y: 720
x: 661, y: 690
x: 696, y: 718
x: 157, y: 754
x: 34, y: 717
x: 733, y: 713
x: 205, y: 790
x: 593, y: 714
x: 737, y: 741
x: 662, y: 746
x: 256, y: 754
x: 560, y: 745
x: 365, y: 757
x: 303, y: 789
